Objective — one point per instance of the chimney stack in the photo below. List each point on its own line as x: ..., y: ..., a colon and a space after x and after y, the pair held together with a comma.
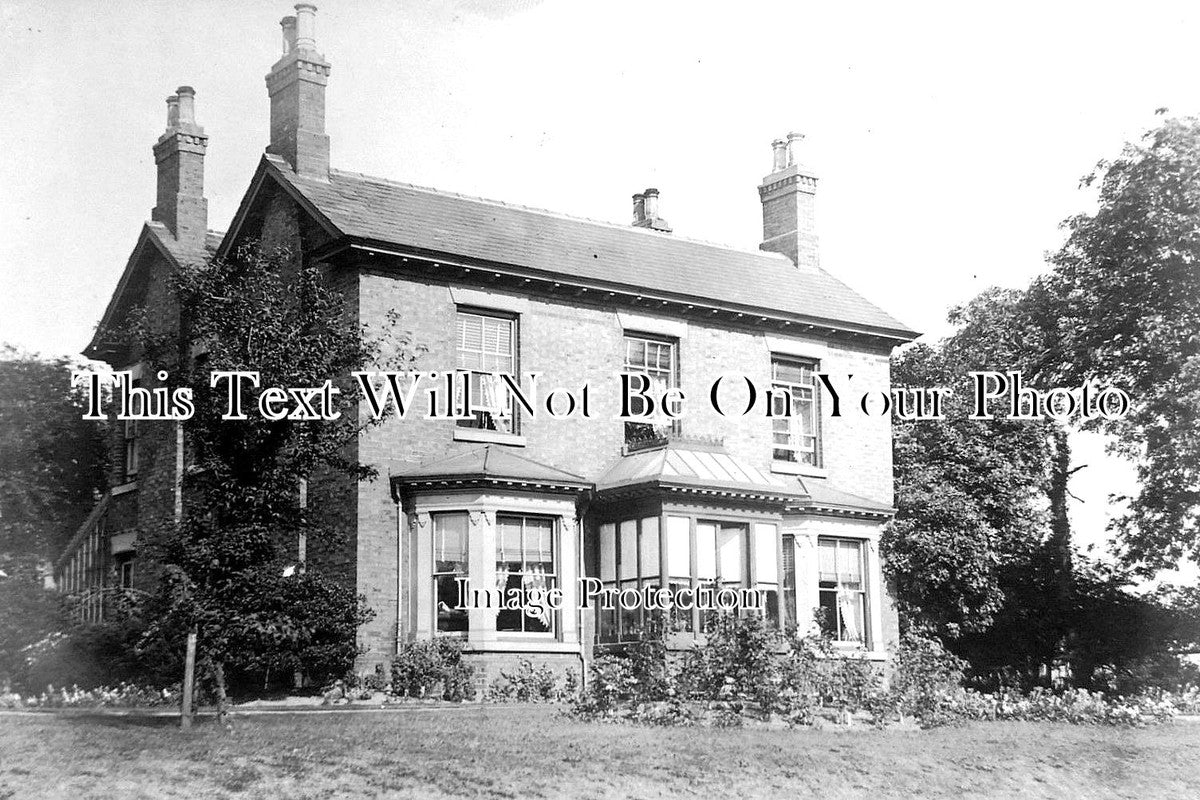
x: 645, y: 212
x: 179, y: 156
x: 788, y: 197
x: 296, y: 86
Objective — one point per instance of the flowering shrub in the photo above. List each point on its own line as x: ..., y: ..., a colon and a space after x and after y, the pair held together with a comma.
x: 529, y: 684
x: 926, y: 687
x: 433, y: 668
x: 123, y: 695
x: 743, y: 673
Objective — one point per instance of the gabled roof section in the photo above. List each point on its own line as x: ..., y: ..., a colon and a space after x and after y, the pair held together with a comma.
x: 688, y: 467
x: 154, y: 238
x: 488, y: 464
x: 606, y: 255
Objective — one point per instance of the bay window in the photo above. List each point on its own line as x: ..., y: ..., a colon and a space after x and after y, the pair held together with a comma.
x: 702, y: 559
x: 449, y: 564
x: 789, y: 583
x: 629, y: 559
x: 525, y: 566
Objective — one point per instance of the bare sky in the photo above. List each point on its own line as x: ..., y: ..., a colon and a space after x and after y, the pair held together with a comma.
x: 949, y: 137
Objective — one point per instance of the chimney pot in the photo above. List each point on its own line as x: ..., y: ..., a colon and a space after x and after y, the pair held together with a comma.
x: 651, y: 204
x: 187, y: 105
x: 288, y: 24
x: 793, y: 147
x: 778, y: 155
x: 306, y: 26
x: 645, y: 212
x: 639, y: 208
x: 173, y: 112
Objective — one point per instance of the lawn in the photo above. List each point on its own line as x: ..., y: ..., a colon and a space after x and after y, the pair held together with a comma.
x: 530, y: 751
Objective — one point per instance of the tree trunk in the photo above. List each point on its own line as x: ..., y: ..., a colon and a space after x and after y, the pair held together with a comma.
x: 218, y: 668
x: 1059, y: 586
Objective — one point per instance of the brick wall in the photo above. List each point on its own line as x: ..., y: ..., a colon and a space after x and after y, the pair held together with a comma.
x: 572, y: 344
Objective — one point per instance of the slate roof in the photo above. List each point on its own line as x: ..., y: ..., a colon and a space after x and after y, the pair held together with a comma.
x: 822, y: 494
x: 489, y: 463
x: 689, y: 465
x: 678, y: 465
x: 131, y: 288
x: 600, y: 253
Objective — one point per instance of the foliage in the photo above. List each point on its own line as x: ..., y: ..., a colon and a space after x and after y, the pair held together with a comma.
x: 528, y: 684
x: 737, y: 663
x: 740, y: 670
x: 1123, y: 292
x: 433, y: 668
x: 980, y: 550
x: 54, y: 461
x: 634, y: 678
x: 229, y: 570
x: 91, y: 654
x: 924, y: 675
x: 926, y: 686
x: 29, y: 615
x: 121, y: 695
x: 969, y: 493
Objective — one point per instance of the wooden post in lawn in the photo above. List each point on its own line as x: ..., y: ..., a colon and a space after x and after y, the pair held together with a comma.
x: 189, y: 678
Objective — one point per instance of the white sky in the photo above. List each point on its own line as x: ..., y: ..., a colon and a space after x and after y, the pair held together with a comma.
x: 949, y: 137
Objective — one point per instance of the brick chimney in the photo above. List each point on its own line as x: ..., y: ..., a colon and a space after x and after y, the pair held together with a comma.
x: 296, y: 86
x: 179, y: 155
x: 645, y: 212
x: 788, y: 197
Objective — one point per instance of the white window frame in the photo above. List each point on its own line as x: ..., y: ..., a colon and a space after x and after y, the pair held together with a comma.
x: 552, y: 581
x: 646, y: 340
x: 863, y: 591
x: 435, y: 573
x: 796, y: 451
x: 507, y: 421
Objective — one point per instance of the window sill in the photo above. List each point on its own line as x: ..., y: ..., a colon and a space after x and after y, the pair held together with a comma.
x: 792, y: 468
x: 491, y: 437
x: 124, y: 488
x: 848, y: 649
x: 510, y: 644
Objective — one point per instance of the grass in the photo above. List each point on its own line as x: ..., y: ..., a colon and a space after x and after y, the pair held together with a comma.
x: 530, y: 751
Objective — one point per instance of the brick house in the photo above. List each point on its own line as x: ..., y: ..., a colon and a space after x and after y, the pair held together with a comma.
x: 792, y: 506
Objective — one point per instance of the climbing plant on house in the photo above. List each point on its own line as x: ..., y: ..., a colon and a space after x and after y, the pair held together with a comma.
x: 252, y: 566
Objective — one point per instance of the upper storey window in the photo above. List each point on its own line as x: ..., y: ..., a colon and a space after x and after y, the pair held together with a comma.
x: 487, y: 347
x: 658, y: 360
x: 796, y: 426
x: 130, y: 436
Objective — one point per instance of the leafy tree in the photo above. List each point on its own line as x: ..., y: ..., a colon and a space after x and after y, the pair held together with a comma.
x: 51, y: 460
x: 1125, y: 295
x: 981, y: 547
x: 231, y: 569
x: 969, y: 493
x: 28, y: 614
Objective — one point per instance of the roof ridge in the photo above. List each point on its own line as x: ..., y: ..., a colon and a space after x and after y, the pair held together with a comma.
x: 552, y: 213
